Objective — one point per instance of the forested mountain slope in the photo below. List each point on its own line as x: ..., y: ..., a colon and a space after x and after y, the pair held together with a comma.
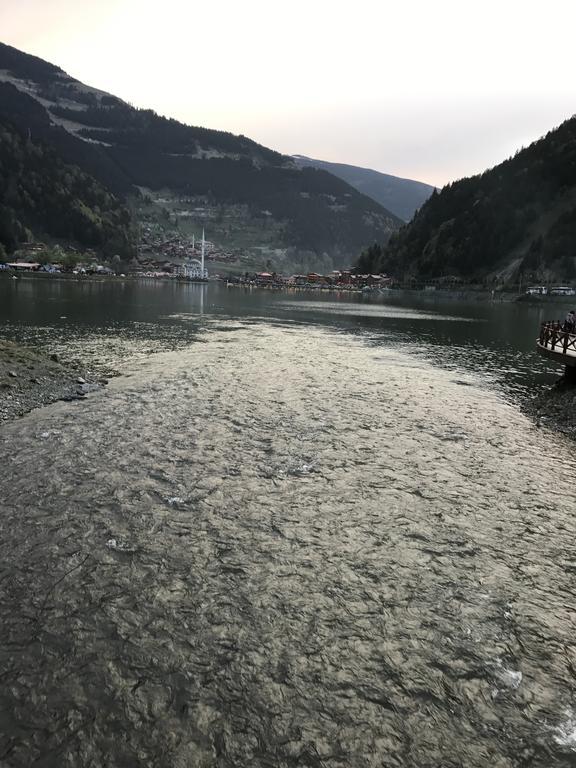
x: 130, y: 149
x: 401, y: 196
x: 517, y: 219
x: 41, y: 197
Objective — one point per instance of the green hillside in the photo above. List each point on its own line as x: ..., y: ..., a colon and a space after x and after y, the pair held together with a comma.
x: 41, y: 197
x: 515, y: 220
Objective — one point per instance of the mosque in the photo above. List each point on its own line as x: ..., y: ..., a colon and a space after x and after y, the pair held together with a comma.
x: 194, y: 269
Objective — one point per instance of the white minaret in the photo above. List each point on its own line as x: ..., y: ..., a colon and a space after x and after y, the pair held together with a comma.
x: 202, y: 252
x: 193, y: 243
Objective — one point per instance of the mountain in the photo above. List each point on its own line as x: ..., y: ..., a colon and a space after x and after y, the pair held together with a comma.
x: 517, y: 220
x: 401, y: 196
x: 42, y: 196
x: 182, y: 178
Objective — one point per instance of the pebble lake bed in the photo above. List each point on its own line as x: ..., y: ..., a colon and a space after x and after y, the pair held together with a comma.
x: 30, y: 379
x: 292, y: 532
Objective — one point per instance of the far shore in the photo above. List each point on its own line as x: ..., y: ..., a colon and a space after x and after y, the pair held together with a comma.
x: 458, y: 293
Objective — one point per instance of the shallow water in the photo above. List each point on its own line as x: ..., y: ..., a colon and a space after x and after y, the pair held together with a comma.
x: 282, y: 543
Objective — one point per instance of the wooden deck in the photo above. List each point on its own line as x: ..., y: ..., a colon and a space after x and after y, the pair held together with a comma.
x: 556, y: 344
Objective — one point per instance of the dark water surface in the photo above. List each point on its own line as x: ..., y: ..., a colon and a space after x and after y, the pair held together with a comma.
x: 300, y: 530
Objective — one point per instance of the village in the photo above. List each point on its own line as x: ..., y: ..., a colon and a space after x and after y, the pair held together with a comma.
x: 166, y: 256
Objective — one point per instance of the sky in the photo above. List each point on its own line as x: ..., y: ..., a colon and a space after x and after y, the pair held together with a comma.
x: 432, y: 90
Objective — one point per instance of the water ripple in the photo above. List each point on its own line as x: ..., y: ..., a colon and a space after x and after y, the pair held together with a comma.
x: 279, y: 549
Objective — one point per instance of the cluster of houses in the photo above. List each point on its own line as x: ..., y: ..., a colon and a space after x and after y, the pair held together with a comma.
x: 33, y: 257
x: 158, y: 251
x: 56, y: 269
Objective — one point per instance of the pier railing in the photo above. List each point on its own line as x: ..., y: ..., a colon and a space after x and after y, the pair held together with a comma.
x: 555, y: 339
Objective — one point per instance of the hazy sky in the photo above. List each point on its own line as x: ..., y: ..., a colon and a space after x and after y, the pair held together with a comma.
x: 427, y: 89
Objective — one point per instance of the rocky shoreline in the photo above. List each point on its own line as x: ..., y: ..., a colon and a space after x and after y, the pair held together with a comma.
x: 555, y: 408
x: 30, y: 379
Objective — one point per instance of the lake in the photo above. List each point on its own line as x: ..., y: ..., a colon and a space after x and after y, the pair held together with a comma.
x: 299, y: 530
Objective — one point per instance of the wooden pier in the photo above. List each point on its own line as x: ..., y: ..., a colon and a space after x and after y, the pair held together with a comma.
x: 558, y: 345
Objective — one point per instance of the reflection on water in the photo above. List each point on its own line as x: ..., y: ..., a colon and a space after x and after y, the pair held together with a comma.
x: 293, y: 544
x: 495, y: 341
x: 360, y: 310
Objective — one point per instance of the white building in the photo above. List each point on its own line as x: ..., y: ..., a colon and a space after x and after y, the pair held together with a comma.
x: 537, y: 290
x: 562, y: 290
x: 193, y: 269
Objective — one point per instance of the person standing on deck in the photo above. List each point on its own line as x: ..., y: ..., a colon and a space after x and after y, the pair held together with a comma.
x: 570, y: 322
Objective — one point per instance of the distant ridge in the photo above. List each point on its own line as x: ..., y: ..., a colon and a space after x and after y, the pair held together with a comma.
x: 401, y: 196
x: 252, y: 198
